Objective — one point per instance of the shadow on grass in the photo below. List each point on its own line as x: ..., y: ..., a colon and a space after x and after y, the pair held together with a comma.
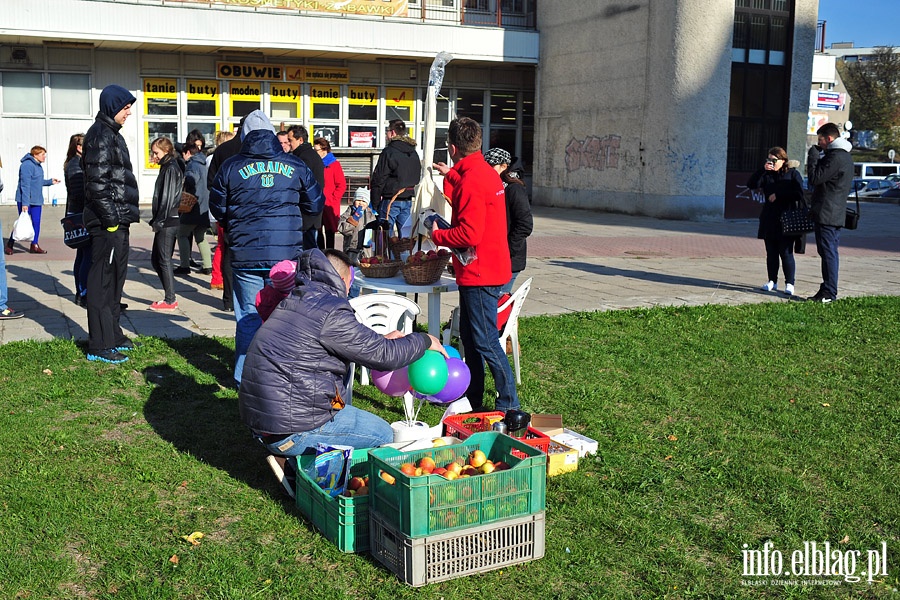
x: 198, y: 416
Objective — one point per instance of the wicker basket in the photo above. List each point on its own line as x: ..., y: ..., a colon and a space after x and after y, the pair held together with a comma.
x: 381, y: 270
x: 427, y: 272
x: 400, y: 245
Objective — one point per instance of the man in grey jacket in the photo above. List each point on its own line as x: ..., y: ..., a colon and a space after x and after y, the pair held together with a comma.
x: 292, y: 392
x: 829, y: 168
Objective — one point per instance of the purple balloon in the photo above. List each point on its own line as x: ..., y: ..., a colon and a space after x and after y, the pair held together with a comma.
x: 392, y: 383
x: 457, y: 381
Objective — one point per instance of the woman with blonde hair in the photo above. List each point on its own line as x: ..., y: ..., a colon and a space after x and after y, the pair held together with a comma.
x: 164, y: 220
x: 30, y: 195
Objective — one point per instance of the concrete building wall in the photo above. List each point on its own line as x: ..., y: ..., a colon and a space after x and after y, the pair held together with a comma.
x: 633, y: 106
x: 806, y: 15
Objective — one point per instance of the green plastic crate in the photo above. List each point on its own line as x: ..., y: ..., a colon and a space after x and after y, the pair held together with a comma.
x: 420, y: 561
x: 342, y: 520
x: 429, y: 504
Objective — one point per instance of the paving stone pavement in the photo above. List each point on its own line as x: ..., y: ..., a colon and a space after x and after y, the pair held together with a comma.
x: 580, y: 261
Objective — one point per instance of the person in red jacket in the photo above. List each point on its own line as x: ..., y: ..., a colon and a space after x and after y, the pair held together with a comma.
x: 335, y: 186
x: 478, y: 223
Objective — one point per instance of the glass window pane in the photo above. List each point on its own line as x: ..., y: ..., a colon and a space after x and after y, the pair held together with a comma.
x: 284, y: 110
x: 527, y: 157
x: 70, y: 94
x: 736, y: 105
x: 503, y: 108
x: 503, y: 138
x: 23, y: 93
x: 528, y: 109
x: 332, y: 133
x: 207, y: 129
x: 326, y: 110
x: 363, y: 112
x: 753, y: 98
x: 162, y: 106
x: 775, y: 94
x: 442, y: 112
x: 201, y: 108
x: 362, y: 136
x: 156, y: 129
x: 402, y: 112
x: 470, y: 103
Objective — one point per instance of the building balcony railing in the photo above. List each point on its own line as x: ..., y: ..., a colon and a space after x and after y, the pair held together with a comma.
x: 512, y: 14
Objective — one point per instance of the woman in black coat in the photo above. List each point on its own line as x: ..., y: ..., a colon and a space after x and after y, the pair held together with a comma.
x: 165, y: 221
x: 782, y: 187
x: 519, y: 223
x: 74, y: 176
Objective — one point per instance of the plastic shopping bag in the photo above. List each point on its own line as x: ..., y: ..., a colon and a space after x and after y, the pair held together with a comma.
x: 23, y: 231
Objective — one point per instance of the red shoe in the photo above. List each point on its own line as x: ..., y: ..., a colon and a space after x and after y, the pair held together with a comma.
x: 35, y: 249
x: 8, y: 249
x: 163, y: 305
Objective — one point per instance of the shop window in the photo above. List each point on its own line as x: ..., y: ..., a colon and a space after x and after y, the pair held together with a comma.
x: 470, y: 103
x: 285, y: 102
x: 503, y: 108
x: 325, y: 102
x: 23, y: 93
x: 70, y: 94
x: 157, y: 129
x: 528, y: 109
x: 362, y: 103
x: 161, y: 97
x: 362, y: 136
x: 398, y: 104
x: 245, y: 98
x: 332, y: 133
x: 202, y: 98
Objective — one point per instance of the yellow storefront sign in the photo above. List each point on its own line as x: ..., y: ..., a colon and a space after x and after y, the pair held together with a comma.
x: 318, y: 74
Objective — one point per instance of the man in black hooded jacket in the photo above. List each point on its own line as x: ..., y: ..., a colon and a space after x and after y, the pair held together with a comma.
x: 110, y: 207
x: 398, y: 167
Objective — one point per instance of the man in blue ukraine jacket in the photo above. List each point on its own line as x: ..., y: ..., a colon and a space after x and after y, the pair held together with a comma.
x: 260, y: 197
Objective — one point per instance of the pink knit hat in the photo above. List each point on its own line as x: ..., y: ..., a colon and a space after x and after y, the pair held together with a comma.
x: 282, y: 275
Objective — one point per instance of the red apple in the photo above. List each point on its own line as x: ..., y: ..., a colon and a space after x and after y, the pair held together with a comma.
x: 355, y: 483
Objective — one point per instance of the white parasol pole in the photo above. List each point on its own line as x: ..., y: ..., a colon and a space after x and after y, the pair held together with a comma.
x: 426, y: 194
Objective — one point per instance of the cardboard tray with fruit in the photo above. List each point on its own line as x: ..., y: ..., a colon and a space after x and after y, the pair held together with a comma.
x: 425, y: 268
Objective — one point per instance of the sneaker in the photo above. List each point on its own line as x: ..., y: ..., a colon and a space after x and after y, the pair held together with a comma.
x: 107, y: 356
x: 821, y: 297
x: 163, y: 305
x: 182, y: 271
x: 789, y: 289
x: 128, y: 345
x: 770, y: 286
x: 7, y: 314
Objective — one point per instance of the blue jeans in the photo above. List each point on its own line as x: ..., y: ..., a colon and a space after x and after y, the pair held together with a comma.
x: 508, y: 288
x: 4, y: 294
x: 81, y: 268
x: 399, y: 214
x: 828, y: 238
x: 478, y: 333
x: 780, y: 248
x: 246, y: 284
x: 350, y: 426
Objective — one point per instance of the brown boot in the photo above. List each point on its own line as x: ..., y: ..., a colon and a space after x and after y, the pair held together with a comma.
x: 8, y: 250
x: 35, y: 249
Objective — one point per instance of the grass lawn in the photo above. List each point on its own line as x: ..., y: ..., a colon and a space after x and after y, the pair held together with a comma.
x: 720, y: 429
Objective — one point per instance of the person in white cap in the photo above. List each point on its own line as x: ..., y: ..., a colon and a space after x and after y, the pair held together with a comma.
x: 353, y: 222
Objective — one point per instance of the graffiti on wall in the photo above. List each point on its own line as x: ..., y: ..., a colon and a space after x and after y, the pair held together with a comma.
x: 593, y: 153
x: 756, y: 195
x: 689, y: 169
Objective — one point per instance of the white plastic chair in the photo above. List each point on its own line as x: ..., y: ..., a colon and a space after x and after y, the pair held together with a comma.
x: 383, y: 313
x: 510, y: 330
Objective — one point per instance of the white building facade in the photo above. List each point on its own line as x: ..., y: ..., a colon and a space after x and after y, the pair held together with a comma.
x: 643, y: 107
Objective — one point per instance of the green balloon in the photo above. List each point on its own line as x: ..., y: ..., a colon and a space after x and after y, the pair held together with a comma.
x: 429, y: 374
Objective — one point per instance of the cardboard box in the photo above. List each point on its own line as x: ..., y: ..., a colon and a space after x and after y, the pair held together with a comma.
x: 552, y: 426
x: 561, y: 458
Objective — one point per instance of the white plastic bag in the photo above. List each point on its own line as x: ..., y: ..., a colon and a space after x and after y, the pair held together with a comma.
x: 23, y: 231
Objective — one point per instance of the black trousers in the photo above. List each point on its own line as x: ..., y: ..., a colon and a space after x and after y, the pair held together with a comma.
x: 109, y: 267
x: 161, y: 260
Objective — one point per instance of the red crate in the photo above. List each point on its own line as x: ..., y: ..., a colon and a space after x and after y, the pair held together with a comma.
x: 455, y: 425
